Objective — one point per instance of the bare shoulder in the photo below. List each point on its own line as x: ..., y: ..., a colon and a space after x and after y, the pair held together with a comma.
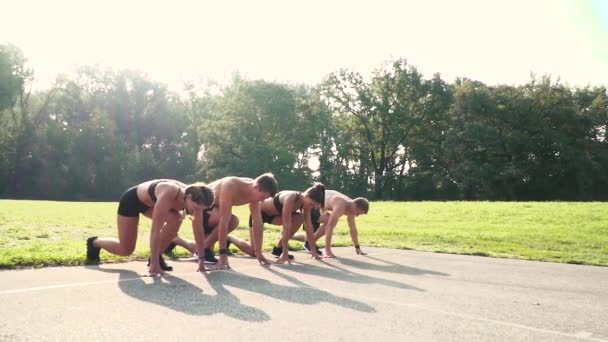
x: 335, y: 200
x: 218, y: 187
x: 228, y: 187
x: 291, y: 194
x: 290, y: 197
x: 162, y: 184
x: 230, y: 181
x: 218, y: 184
x: 243, y: 180
x: 169, y: 187
x: 164, y: 189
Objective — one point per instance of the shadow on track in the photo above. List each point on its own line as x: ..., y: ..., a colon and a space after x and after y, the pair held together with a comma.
x: 300, y: 294
x: 179, y: 295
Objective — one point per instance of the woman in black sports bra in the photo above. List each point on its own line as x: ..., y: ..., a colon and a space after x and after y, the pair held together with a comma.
x: 166, y: 202
x: 289, y: 209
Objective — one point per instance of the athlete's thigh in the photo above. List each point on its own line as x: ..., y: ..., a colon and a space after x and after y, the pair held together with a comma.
x: 127, y: 230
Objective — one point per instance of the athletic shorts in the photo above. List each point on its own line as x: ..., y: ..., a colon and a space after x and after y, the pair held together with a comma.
x: 130, y: 205
x: 207, y: 228
x: 315, y: 215
x: 265, y: 218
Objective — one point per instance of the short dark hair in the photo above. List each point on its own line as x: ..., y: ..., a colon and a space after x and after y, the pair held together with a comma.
x: 362, y: 204
x: 267, y: 183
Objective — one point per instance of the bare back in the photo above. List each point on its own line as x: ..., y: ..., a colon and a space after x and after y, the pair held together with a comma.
x: 235, y: 190
x: 143, y: 189
x: 336, y: 201
x: 289, y: 199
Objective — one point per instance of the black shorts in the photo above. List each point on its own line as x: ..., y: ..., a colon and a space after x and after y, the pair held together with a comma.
x: 130, y: 205
x: 265, y: 218
x: 206, y: 227
x: 315, y: 215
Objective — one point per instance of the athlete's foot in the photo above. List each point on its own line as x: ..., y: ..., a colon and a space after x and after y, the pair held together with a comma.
x: 163, y: 264
x: 92, y: 251
x: 169, y: 251
x: 210, y: 258
x: 307, y: 247
x: 278, y: 251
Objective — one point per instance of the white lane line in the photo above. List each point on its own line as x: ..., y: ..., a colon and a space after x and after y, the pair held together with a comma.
x: 60, y: 286
x: 581, y: 335
x: 115, y: 281
x: 378, y: 300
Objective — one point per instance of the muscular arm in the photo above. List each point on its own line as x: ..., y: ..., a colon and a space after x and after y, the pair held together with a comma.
x: 165, y: 196
x: 310, y: 235
x: 353, y: 233
x: 329, y: 229
x: 258, y: 233
x: 288, y: 204
x: 222, y: 227
x: 199, y: 233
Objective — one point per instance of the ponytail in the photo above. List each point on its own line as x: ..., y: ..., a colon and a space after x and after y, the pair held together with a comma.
x: 317, y: 194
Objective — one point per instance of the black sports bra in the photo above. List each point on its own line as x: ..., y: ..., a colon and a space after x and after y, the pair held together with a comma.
x: 152, y: 187
x: 279, y: 206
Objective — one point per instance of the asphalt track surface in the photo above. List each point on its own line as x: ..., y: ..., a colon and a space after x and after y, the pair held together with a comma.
x: 387, y: 295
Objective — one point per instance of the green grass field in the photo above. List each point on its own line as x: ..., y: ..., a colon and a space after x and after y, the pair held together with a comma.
x: 37, y: 233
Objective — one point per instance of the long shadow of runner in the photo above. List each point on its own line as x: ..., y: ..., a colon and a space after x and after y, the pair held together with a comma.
x: 301, y: 294
x: 180, y: 295
x: 300, y: 283
x: 342, y: 274
x: 389, y: 267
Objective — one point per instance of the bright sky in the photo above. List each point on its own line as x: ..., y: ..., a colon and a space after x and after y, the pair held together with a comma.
x: 494, y: 41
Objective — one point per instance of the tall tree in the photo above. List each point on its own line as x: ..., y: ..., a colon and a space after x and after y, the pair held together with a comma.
x: 425, y: 174
x: 12, y: 75
x: 592, y: 103
x: 385, y: 113
x: 24, y: 123
x: 255, y: 127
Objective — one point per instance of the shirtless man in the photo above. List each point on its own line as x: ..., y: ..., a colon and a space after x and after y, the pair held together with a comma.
x: 235, y: 191
x: 336, y: 205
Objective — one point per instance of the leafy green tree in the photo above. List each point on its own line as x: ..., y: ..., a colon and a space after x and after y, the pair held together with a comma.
x: 255, y: 127
x: 22, y: 126
x: 384, y: 114
x: 474, y: 147
x: 12, y: 75
x: 557, y: 162
x: 425, y: 174
x: 394, y: 135
x: 531, y: 142
x: 148, y: 125
x: 592, y: 103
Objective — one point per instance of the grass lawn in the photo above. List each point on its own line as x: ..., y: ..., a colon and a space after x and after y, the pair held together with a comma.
x: 36, y: 233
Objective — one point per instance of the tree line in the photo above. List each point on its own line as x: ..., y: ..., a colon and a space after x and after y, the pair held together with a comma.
x: 393, y: 135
